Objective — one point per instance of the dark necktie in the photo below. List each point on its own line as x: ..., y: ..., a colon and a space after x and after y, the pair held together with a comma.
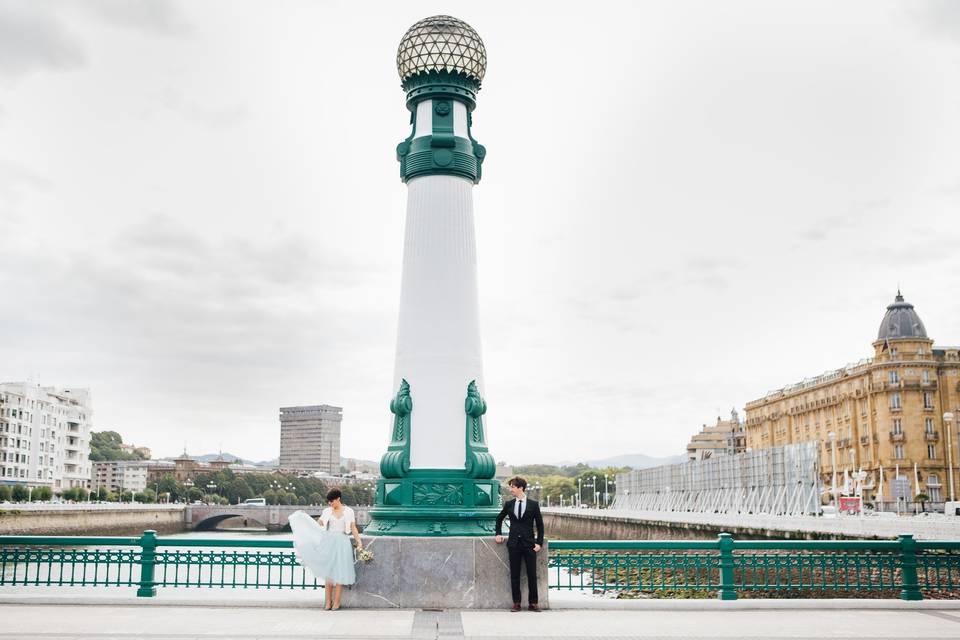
x: 519, y: 509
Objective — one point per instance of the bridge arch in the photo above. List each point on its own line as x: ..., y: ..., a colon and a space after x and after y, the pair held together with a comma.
x: 210, y: 523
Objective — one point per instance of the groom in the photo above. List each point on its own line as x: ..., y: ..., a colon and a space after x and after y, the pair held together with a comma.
x: 522, y: 544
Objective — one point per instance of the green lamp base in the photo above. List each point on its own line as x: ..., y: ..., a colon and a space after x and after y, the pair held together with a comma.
x: 435, y: 502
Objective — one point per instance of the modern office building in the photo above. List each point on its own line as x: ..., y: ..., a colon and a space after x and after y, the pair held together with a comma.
x: 120, y: 475
x: 310, y: 438
x: 894, y: 411
x: 44, y: 436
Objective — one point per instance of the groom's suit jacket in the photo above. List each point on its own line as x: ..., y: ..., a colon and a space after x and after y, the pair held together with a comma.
x: 521, y: 531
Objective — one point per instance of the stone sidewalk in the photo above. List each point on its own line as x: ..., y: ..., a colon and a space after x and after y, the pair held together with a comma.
x: 781, y: 620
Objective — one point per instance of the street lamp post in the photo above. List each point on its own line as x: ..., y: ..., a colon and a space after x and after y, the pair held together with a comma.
x: 948, y: 427
x: 606, y: 491
x: 579, y: 489
x: 833, y: 463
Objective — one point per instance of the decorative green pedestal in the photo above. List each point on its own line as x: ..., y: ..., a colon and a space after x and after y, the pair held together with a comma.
x: 436, y: 502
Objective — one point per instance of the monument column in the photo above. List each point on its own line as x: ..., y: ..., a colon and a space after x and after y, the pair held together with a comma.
x: 437, y: 471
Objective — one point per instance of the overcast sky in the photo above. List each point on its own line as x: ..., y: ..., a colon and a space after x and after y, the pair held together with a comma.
x: 684, y: 205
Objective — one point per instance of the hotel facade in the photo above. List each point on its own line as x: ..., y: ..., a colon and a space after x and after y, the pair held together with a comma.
x: 884, y: 412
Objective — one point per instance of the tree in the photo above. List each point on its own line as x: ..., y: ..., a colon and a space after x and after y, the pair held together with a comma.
x: 922, y: 498
x: 168, y: 485
x: 147, y: 496
x: 107, y: 445
x: 42, y: 494
x: 20, y: 493
x: 5, y: 493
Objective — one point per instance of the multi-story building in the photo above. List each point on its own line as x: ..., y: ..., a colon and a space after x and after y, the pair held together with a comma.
x: 44, y: 436
x: 883, y: 412
x: 310, y: 438
x: 724, y: 438
x: 120, y: 475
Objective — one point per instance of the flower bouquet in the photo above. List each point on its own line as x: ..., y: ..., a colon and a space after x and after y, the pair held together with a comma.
x: 364, y: 555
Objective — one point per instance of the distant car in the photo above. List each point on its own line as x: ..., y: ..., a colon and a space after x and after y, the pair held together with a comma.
x: 255, y: 501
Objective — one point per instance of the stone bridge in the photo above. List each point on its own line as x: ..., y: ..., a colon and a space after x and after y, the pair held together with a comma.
x: 204, y: 517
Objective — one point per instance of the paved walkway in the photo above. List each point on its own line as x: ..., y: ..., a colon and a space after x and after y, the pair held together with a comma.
x: 781, y: 620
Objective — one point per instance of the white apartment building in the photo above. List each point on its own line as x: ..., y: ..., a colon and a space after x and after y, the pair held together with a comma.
x: 120, y: 475
x: 44, y: 436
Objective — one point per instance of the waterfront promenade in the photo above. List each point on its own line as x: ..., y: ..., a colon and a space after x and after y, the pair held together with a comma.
x: 657, y: 619
x: 922, y: 527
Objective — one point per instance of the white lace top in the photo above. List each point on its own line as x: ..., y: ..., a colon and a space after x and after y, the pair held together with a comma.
x: 338, y: 525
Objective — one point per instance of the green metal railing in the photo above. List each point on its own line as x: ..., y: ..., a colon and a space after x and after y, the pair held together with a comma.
x: 701, y: 568
x: 149, y: 562
x: 693, y: 568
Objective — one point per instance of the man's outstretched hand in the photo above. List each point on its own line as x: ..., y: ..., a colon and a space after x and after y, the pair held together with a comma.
x: 499, y: 539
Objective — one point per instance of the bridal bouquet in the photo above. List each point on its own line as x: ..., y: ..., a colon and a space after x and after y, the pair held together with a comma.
x: 364, y: 555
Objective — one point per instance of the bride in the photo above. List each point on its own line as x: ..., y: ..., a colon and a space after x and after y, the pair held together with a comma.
x: 324, y: 547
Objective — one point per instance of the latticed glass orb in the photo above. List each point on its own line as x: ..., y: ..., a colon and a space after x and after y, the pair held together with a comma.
x: 441, y: 43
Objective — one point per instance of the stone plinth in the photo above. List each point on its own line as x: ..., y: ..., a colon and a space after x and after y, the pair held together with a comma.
x: 443, y: 573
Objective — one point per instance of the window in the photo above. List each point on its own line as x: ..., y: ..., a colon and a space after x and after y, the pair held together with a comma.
x: 898, y: 451
x: 894, y: 377
x: 928, y: 425
x: 895, y: 401
x: 931, y: 451
x: 925, y: 375
x: 893, y: 352
x: 927, y: 400
x: 897, y: 425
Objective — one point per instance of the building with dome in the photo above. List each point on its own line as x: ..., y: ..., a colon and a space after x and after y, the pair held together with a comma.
x: 883, y: 412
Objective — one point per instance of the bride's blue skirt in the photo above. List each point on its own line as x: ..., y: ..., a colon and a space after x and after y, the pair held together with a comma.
x: 328, y: 556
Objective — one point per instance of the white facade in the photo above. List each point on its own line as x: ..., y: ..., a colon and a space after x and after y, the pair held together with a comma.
x: 120, y: 475
x: 44, y: 436
x: 438, y: 337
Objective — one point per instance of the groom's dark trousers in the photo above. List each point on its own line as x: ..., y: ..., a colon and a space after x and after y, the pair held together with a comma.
x: 520, y: 544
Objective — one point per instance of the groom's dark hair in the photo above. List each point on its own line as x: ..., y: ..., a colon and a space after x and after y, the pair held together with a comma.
x: 333, y: 494
x: 518, y: 481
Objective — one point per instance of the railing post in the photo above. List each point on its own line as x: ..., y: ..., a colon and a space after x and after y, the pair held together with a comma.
x: 728, y: 590
x: 910, y: 589
x: 148, y: 557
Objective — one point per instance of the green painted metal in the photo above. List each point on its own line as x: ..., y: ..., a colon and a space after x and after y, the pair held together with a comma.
x: 436, y: 502
x: 696, y: 568
x: 726, y: 567
x: 441, y: 152
x: 908, y: 566
x: 727, y: 588
x: 148, y: 558
x: 479, y: 462
x: 396, y: 461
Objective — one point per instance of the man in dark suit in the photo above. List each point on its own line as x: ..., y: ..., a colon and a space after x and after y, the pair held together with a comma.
x: 522, y: 543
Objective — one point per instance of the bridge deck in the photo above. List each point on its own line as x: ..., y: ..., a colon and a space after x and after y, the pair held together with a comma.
x: 791, y: 620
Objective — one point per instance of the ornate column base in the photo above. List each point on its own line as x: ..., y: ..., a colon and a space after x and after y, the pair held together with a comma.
x: 435, y: 502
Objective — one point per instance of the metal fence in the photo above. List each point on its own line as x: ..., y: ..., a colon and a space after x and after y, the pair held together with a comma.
x: 780, y: 568
x: 780, y: 480
x: 906, y: 567
x: 148, y: 562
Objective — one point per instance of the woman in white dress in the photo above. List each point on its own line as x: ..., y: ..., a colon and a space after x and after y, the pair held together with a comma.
x: 324, y: 548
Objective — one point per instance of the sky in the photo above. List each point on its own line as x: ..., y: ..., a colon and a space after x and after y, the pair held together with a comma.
x: 684, y: 205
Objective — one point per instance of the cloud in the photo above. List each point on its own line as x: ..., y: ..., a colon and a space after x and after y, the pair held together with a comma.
x: 940, y: 18
x: 33, y: 38
x: 162, y: 18
x: 211, y: 117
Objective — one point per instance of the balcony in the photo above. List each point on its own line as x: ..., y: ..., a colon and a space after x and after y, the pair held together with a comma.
x: 931, y: 436
x: 864, y: 440
x: 897, y: 436
x: 843, y: 443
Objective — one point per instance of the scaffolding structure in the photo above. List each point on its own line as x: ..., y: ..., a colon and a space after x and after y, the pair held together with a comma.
x: 779, y: 481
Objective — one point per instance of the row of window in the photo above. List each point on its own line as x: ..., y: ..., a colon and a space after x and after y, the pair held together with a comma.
x: 896, y: 402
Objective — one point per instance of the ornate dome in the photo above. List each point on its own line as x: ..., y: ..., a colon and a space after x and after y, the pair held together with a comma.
x: 901, y: 321
x: 441, y: 43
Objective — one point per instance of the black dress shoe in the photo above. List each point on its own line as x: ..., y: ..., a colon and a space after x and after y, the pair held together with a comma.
x: 534, y: 607
x: 515, y: 607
